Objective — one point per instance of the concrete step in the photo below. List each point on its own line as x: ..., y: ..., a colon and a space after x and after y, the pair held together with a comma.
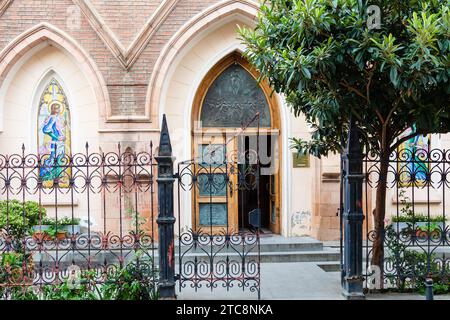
x: 273, y: 249
x: 267, y: 257
x: 300, y: 256
x: 330, y: 266
x: 283, y: 244
x: 273, y: 243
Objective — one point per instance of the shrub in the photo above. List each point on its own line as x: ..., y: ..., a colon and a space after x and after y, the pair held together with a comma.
x: 18, y: 217
x: 410, y: 268
x: 68, y: 291
x: 419, y: 217
x: 136, y: 281
x: 15, y: 269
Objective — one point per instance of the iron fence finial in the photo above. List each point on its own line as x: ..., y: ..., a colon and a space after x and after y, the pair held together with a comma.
x: 165, y: 147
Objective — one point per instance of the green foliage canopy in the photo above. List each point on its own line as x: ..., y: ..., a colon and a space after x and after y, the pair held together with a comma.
x: 330, y: 65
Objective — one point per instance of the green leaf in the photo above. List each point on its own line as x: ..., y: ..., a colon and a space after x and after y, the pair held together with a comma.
x: 306, y: 72
x: 393, y: 74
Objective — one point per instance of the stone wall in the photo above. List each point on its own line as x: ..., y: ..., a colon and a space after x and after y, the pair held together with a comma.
x: 86, y: 21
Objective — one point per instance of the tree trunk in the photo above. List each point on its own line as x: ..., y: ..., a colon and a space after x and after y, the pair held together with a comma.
x: 379, y: 215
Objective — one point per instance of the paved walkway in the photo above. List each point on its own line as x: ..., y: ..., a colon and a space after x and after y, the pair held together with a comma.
x: 296, y: 281
x: 300, y: 280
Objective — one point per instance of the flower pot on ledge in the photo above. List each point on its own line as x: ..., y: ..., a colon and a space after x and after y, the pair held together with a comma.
x: 40, y: 233
x: 408, y: 228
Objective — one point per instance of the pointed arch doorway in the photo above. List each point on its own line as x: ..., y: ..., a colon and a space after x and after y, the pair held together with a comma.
x: 227, y: 101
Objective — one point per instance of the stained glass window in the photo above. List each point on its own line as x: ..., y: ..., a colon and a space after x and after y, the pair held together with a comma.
x: 214, y: 214
x: 54, y: 139
x: 414, y: 152
x: 212, y: 154
x: 233, y: 99
x: 212, y: 184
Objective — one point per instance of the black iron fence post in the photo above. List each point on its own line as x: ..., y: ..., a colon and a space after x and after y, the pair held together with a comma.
x: 352, y: 284
x: 166, y: 218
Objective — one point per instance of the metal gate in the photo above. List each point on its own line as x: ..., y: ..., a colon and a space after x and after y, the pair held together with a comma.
x: 219, y: 194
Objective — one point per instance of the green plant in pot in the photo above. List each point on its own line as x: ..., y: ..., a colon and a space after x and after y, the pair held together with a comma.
x: 56, y: 232
x: 70, y: 225
x: 431, y: 230
x: 417, y: 224
x: 51, y: 228
x: 40, y: 230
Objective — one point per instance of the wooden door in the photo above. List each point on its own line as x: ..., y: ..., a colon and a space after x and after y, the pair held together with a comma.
x: 215, y: 197
x: 274, y: 223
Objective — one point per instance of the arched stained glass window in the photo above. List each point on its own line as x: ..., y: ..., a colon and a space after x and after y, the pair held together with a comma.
x: 415, y: 150
x: 54, y: 139
x: 233, y: 99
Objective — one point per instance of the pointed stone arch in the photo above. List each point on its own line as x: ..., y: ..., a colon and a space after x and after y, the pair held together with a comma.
x: 214, y: 14
x: 47, y: 33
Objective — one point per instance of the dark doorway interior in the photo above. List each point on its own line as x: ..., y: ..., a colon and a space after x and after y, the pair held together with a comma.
x: 248, y: 197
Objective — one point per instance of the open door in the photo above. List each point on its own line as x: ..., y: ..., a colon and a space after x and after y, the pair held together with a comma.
x: 265, y: 195
x: 215, y: 201
x: 229, y: 100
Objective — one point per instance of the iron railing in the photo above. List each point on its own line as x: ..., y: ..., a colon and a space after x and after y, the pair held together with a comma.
x: 416, y: 235
x: 95, y: 216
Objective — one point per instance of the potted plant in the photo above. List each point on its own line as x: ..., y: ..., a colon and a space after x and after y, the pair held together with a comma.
x: 51, y: 228
x: 418, y: 224
x: 430, y: 230
x: 70, y: 225
x: 57, y: 232
x: 409, y: 222
x: 41, y: 230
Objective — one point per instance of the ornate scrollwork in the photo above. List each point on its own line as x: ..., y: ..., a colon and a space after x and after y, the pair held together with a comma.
x: 36, y: 259
x: 417, y: 241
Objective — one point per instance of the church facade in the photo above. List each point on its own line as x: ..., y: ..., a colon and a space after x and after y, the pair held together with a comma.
x: 105, y: 72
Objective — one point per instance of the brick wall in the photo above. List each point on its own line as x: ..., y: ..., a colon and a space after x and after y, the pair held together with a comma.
x: 127, y: 88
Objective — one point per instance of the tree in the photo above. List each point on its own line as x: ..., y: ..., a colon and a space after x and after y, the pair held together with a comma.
x: 331, y: 65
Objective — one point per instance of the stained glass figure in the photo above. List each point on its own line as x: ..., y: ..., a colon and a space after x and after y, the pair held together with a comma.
x: 415, y: 152
x: 54, y: 139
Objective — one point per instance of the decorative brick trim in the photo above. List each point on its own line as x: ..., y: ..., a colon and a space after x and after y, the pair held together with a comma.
x: 4, y: 5
x: 128, y: 56
x: 43, y: 32
x: 184, y: 35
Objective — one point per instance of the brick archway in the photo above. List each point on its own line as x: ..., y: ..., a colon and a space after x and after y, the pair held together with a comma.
x: 228, y: 8
x: 45, y: 32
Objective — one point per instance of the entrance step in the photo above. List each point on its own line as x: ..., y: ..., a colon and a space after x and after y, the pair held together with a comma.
x: 266, y: 257
x: 299, y: 256
x: 272, y: 243
x: 273, y: 249
x: 330, y: 266
x: 277, y: 243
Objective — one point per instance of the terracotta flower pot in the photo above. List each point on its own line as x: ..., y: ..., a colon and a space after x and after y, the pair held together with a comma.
x: 424, y: 234
x: 41, y: 236
x: 61, y: 235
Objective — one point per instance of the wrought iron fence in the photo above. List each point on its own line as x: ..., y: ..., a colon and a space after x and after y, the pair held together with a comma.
x: 416, y: 235
x: 81, y: 222
x: 216, y: 251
